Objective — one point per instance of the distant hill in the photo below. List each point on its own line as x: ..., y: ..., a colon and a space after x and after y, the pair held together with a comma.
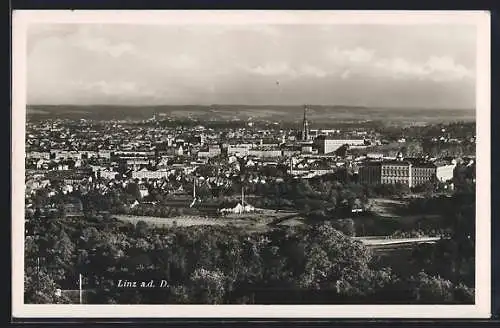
x: 316, y: 113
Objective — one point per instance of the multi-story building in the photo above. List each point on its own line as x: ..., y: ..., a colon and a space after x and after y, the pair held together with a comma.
x: 211, y: 151
x: 398, y: 171
x: 239, y: 150
x: 411, y: 173
x: 426, y: 171
x: 422, y: 173
x: 371, y: 173
x: 134, y: 153
x: 307, y: 148
x: 65, y: 154
x: 327, y: 132
x: 38, y: 155
x: 104, y: 154
x: 387, y: 172
x: 265, y: 153
x: 107, y: 174
x: 291, y: 152
x: 88, y: 154
x: 149, y: 174
x: 326, y: 144
x: 69, y: 176
x: 136, y: 163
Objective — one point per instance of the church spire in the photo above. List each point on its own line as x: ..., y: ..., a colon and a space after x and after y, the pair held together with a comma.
x: 305, y: 126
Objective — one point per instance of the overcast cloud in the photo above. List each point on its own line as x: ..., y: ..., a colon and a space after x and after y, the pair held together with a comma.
x: 413, y: 66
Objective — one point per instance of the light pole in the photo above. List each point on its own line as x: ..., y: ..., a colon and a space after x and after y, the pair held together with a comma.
x: 80, y: 287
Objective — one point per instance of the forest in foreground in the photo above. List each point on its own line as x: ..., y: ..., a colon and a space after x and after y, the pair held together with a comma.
x: 312, y: 264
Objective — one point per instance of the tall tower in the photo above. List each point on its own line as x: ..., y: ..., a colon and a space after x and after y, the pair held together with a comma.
x: 305, y: 126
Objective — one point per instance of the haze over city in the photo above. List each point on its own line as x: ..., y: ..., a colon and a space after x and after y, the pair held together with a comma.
x: 430, y: 66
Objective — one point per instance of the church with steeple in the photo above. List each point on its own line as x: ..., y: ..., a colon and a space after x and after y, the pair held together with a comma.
x: 305, y: 136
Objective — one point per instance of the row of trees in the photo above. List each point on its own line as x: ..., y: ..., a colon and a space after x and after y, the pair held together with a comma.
x: 106, y: 250
x: 220, y: 265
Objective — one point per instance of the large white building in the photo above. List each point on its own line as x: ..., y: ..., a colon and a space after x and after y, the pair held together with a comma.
x: 147, y: 174
x: 404, y: 172
x: 238, y: 150
x: 265, y: 153
x: 38, y: 155
x: 326, y: 144
x: 108, y: 174
x: 327, y: 132
x: 445, y: 172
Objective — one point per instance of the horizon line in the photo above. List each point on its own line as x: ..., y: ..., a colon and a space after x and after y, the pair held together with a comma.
x: 260, y: 105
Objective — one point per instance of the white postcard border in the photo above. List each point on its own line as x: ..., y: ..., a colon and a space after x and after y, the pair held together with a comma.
x: 21, y: 20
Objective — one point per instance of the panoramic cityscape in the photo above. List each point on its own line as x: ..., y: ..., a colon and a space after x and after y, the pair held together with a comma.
x: 147, y: 183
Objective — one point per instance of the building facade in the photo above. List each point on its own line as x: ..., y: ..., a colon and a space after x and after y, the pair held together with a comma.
x: 211, y: 151
x: 394, y: 172
x: 108, y: 174
x: 147, y: 174
x: 135, y: 163
x: 370, y: 173
x: 326, y: 144
x: 404, y: 172
x: 265, y: 153
x: 238, y: 150
x: 38, y: 155
x: 422, y: 173
x: 445, y: 172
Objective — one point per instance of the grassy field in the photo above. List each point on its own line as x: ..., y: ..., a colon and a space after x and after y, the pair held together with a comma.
x: 255, y: 221
x: 385, y: 207
x: 388, y: 216
x: 390, y: 208
x: 186, y: 220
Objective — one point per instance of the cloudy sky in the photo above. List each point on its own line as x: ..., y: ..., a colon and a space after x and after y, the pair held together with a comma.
x: 368, y: 65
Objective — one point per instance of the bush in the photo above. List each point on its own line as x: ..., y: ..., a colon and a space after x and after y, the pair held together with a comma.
x: 436, y: 290
x: 346, y: 226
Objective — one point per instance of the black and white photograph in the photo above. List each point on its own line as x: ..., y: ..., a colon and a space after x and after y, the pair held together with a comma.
x: 254, y: 159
